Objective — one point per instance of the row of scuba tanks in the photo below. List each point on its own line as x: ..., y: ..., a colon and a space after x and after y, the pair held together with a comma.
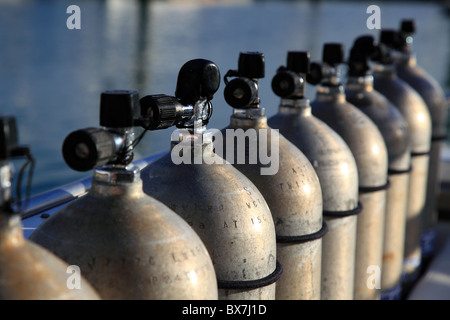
x: 340, y: 215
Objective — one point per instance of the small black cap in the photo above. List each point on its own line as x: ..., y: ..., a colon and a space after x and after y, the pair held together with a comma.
x: 119, y: 108
x: 298, y: 61
x: 251, y: 65
x: 390, y: 38
x: 364, y: 45
x: 333, y: 53
x: 363, y: 50
x: 408, y: 26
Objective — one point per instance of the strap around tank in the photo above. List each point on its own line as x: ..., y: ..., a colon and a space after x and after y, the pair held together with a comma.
x: 345, y: 213
x: 385, y: 186
x: 305, y: 237
x: 252, y: 284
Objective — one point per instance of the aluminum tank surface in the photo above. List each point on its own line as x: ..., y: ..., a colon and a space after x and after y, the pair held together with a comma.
x: 128, y: 245
x: 417, y: 116
x: 369, y: 149
x: 359, y: 92
x: 336, y: 169
x: 226, y: 210
x: 29, y: 272
x: 294, y: 197
x: 434, y: 97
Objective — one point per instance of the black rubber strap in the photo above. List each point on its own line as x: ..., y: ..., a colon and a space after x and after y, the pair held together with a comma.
x: 418, y: 154
x: 252, y: 284
x: 374, y: 189
x: 306, y: 237
x: 340, y: 214
x: 394, y: 171
x: 439, y: 137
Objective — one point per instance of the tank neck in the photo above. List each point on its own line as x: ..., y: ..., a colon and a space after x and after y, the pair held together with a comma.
x: 295, y: 106
x: 330, y: 93
x: 408, y: 59
x: 198, y: 146
x: 113, y: 181
x: 360, y: 83
x: 384, y: 70
x: 117, y: 175
x: 250, y: 118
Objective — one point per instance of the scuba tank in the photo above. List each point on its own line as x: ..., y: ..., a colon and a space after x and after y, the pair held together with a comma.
x: 392, y: 125
x: 369, y: 149
x: 290, y: 185
x: 220, y: 203
x: 28, y: 271
x: 434, y: 97
x: 417, y: 116
x: 335, y: 167
x: 127, y: 244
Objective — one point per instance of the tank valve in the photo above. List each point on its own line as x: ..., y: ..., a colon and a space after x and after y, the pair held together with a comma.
x: 191, y: 106
x: 242, y: 91
x: 90, y: 148
x: 289, y: 81
x: 326, y: 71
x: 10, y: 148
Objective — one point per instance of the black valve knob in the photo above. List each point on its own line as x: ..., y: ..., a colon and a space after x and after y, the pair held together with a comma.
x: 251, y: 65
x: 318, y: 71
x: 119, y: 108
x: 391, y: 38
x: 333, y: 53
x: 363, y: 50
x: 241, y: 93
x: 197, y: 79
x: 363, y: 46
x: 161, y: 111
x: 288, y: 81
x: 408, y: 26
x: 88, y: 149
x: 298, y: 61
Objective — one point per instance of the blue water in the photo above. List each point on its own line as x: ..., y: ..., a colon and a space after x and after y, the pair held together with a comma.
x: 51, y: 77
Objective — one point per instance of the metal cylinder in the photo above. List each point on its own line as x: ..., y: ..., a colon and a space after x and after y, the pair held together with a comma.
x: 393, y: 127
x: 428, y: 88
x: 336, y: 169
x: 434, y: 97
x: 30, y: 272
x: 226, y: 210
x: 417, y: 116
x: 127, y: 244
x: 369, y: 149
x: 293, y: 194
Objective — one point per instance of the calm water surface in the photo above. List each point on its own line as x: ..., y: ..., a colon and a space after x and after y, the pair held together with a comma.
x: 51, y: 77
